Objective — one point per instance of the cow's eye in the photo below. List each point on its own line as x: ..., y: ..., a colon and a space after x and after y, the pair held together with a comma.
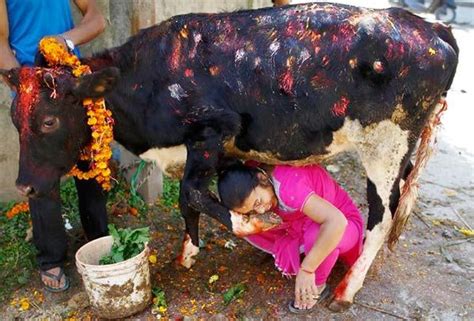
x: 50, y: 124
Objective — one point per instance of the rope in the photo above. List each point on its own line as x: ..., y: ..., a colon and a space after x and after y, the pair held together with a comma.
x: 135, y: 182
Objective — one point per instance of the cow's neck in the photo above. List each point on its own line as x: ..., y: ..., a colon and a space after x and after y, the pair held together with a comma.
x: 129, y: 100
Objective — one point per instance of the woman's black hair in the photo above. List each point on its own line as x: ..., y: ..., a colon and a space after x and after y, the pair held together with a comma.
x: 235, y: 183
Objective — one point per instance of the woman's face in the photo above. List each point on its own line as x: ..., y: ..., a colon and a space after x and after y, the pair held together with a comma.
x: 260, y: 200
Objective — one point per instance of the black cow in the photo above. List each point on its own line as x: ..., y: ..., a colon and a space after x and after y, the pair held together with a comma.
x: 291, y: 85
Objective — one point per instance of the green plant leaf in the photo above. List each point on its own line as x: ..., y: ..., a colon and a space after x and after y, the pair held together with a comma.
x: 127, y: 243
x: 234, y: 293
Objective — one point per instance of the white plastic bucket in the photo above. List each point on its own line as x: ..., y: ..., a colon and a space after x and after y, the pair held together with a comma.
x: 115, y: 290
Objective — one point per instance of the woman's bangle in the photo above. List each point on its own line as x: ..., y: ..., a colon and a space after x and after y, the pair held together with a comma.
x: 305, y: 270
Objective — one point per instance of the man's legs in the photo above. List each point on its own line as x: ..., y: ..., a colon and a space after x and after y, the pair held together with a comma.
x: 92, y: 208
x: 49, y: 237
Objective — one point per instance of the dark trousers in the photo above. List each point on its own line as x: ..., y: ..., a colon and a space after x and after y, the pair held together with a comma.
x: 49, y: 235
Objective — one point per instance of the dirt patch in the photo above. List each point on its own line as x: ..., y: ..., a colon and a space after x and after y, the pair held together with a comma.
x: 429, y: 276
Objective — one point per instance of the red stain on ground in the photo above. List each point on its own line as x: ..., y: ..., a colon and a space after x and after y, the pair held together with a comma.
x: 206, y: 154
x: 340, y: 107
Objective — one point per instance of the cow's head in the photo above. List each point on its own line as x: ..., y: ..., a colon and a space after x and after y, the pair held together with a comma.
x: 51, y: 121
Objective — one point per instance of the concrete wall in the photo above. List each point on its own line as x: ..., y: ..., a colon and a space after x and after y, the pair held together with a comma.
x: 123, y: 18
x: 9, y: 150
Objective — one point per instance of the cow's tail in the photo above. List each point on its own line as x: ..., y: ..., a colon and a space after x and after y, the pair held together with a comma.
x: 410, y: 188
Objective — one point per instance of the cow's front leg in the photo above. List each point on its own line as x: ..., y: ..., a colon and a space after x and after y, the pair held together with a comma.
x: 195, y: 197
x: 190, y: 246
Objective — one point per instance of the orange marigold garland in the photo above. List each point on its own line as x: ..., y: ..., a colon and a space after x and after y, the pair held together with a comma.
x: 17, y: 209
x: 99, y: 119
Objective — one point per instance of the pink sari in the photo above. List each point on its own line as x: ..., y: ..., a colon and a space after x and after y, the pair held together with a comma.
x: 297, y: 233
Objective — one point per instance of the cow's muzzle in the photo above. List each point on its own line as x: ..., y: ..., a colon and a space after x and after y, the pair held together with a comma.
x: 26, y: 190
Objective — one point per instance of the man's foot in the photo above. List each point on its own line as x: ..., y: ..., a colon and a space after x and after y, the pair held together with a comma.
x: 55, y: 280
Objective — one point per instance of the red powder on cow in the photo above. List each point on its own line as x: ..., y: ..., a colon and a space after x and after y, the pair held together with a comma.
x: 175, y: 55
x: 378, y: 66
x: 286, y: 82
x: 214, y: 70
x: 293, y: 27
x: 325, y: 61
x: 321, y: 80
x: 28, y: 95
x: 340, y: 107
x: 188, y: 73
x: 404, y: 71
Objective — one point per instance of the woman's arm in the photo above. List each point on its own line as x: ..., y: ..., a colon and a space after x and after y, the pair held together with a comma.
x: 333, y: 224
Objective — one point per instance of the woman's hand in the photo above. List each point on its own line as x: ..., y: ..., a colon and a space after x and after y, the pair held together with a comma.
x: 306, y: 292
x: 244, y: 225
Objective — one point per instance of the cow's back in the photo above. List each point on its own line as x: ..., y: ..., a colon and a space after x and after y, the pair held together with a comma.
x: 301, y: 70
x: 294, y: 74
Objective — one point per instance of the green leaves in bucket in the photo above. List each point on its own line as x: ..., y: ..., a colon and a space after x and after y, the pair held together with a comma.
x: 127, y: 244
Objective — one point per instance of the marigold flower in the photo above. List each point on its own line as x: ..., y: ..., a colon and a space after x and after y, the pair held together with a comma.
x: 152, y: 258
x: 22, y: 207
x: 99, y: 151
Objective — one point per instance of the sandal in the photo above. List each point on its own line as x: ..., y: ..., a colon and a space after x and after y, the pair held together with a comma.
x: 56, y: 278
x: 323, y: 296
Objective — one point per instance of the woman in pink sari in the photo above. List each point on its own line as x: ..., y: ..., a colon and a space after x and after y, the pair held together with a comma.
x: 319, y: 219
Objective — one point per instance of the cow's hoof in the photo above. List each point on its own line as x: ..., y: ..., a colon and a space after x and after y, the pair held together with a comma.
x: 243, y: 225
x: 188, y: 253
x: 339, y: 306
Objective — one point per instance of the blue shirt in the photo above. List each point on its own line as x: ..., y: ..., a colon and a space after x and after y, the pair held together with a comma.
x: 31, y: 20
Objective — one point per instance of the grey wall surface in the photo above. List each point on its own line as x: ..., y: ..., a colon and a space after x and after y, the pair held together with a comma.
x: 123, y: 18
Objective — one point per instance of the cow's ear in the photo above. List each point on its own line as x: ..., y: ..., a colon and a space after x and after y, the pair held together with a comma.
x: 11, y: 77
x: 40, y: 60
x: 97, y: 84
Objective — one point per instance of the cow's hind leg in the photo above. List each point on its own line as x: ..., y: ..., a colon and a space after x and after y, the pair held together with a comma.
x: 384, y: 163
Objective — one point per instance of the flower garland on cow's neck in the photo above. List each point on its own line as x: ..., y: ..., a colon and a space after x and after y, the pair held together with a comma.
x: 99, y: 119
